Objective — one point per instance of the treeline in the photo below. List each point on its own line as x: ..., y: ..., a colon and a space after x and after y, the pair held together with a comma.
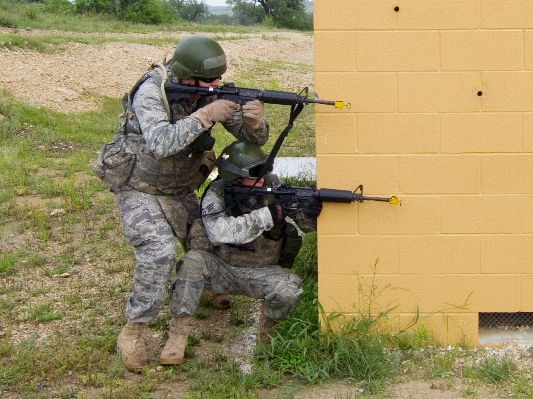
x: 289, y: 14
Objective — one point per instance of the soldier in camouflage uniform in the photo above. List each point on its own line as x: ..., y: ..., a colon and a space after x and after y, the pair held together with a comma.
x: 161, y: 153
x: 251, y: 239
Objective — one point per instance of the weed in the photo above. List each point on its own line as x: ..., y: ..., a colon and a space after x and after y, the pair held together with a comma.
x: 7, y: 261
x: 209, y: 336
x: 495, y: 370
x: 41, y: 313
x: 355, y: 350
x: 240, y: 311
x: 202, y: 313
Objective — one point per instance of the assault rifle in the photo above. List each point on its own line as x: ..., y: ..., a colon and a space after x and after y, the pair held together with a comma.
x: 242, y: 95
x: 298, y: 197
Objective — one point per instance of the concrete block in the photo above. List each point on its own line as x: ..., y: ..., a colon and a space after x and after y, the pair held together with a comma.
x: 508, y: 91
x: 526, y: 288
x: 416, y: 215
x: 506, y: 14
x: 480, y: 214
x: 398, y: 51
x: 482, y: 132
x: 336, y: 133
x: 504, y: 173
x: 439, y: 254
x: 440, y: 174
x: 439, y: 91
x: 337, y: 51
x: 338, y: 219
x: 506, y: 254
x: 354, y: 14
x: 529, y: 50
x: 365, y: 91
x: 527, y: 213
x: 398, y: 133
x: 399, y: 294
x: 377, y: 173
x: 357, y: 254
x: 499, y: 50
x: 438, y: 14
x: 338, y: 293
x: 479, y: 293
x: 528, y: 132
x: 444, y: 329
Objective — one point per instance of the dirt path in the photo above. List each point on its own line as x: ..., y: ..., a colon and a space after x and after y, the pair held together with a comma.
x: 75, y: 79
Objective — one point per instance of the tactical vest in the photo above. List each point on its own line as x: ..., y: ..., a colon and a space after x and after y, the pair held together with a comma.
x: 279, y: 246
x: 127, y: 160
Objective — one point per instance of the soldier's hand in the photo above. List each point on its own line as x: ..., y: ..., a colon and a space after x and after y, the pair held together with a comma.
x: 312, y: 208
x: 217, y: 111
x: 282, y: 207
x: 252, y: 112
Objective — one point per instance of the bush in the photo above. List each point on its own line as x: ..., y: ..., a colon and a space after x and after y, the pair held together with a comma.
x: 59, y: 7
x: 150, y: 12
x: 7, y: 22
x: 96, y: 6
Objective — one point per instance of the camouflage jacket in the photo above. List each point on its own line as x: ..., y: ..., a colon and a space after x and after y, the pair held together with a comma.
x: 251, y: 239
x: 167, y: 155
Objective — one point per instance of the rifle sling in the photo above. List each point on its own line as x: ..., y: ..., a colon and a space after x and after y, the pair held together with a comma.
x: 269, y: 164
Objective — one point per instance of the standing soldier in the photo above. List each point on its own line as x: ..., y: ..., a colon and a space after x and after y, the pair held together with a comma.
x: 160, y: 154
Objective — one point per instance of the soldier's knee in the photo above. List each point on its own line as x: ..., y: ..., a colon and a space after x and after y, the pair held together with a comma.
x: 285, y: 294
x: 192, y: 260
x: 195, y: 256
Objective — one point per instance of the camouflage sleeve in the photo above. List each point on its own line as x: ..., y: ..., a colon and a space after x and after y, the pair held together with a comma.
x: 163, y: 138
x: 235, y: 126
x: 223, y: 229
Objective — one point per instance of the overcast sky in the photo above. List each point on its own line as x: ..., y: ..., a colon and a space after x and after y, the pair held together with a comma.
x: 216, y: 2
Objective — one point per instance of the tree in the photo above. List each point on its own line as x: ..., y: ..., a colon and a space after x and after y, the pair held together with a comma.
x: 191, y: 10
x: 247, y: 13
x: 284, y: 13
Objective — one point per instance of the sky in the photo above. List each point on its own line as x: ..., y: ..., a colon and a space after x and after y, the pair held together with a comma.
x: 216, y: 2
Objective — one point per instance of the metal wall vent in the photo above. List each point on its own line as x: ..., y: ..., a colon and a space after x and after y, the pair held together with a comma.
x: 502, y: 320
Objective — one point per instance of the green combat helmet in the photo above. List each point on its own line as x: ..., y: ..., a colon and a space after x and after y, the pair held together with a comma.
x: 240, y: 158
x: 198, y: 56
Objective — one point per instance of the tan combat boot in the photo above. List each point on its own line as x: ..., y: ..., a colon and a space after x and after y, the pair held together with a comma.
x: 132, y: 347
x: 219, y: 301
x: 174, y: 350
x: 265, y: 328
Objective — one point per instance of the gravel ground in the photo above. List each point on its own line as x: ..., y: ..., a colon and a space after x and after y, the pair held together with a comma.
x: 75, y: 79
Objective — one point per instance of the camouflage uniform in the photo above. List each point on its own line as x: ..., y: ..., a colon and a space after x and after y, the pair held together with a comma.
x: 158, y: 202
x: 247, y: 248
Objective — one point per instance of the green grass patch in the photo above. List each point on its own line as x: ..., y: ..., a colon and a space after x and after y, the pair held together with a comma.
x: 7, y: 261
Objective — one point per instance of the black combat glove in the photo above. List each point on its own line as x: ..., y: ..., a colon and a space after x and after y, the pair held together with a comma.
x: 204, y: 142
x: 282, y: 207
x: 312, y: 208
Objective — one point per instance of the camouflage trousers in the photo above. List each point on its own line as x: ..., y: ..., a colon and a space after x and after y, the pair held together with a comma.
x: 151, y: 225
x: 279, y: 289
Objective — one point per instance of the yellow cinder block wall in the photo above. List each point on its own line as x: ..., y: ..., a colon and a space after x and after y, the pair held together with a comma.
x: 441, y: 115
